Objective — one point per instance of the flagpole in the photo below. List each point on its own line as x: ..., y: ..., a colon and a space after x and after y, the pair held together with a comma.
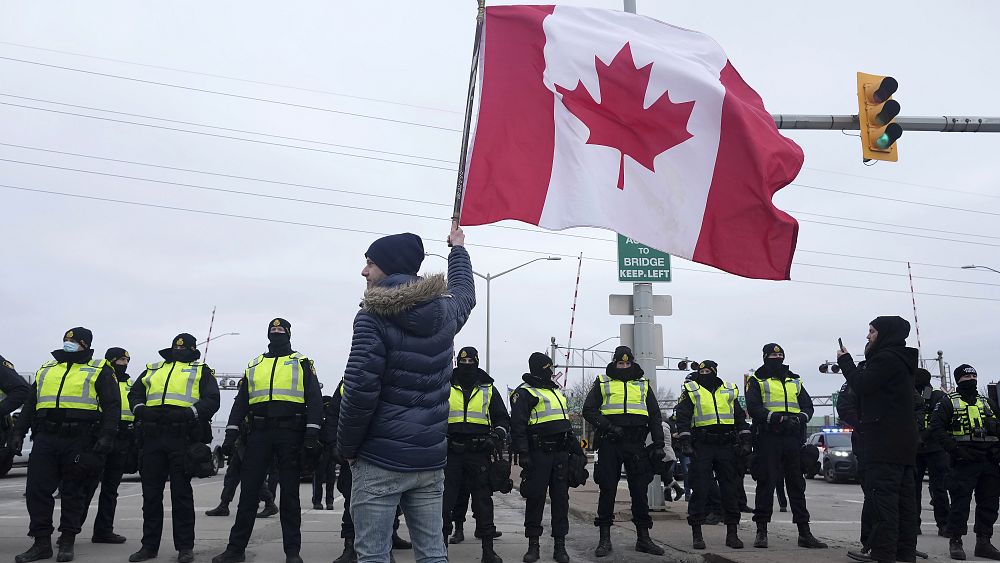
x: 469, y: 102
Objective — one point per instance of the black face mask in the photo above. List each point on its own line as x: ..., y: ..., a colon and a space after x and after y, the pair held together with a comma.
x: 279, y: 338
x: 968, y: 387
x: 186, y: 355
x: 704, y: 378
x: 119, y: 369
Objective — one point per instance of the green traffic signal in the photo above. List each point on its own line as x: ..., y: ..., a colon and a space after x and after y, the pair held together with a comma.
x: 893, y: 132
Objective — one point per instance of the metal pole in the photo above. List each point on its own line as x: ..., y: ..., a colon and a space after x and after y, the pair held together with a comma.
x: 942, y: 124
x: 469, y: 103
x: 488, y: 279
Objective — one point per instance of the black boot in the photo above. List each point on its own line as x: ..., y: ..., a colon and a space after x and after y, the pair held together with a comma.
x: 270, y: 509
x: 955, y: 549
x: 459, y: 535
x: 732, y: 538
x: 221, y: 510
x: 489, y: 556
x: 41, y: 549
x: 697, y: 540
x: 185, y: 556
x: 108, y: 537
x: 644, y: 544
x: 65, y: 543
x: 532, y: 554
x: 985, y: 549
x: 400, y: 543
x: 144, y: 554
x: 761, y: 539
x: 293, y: 558
x: 604, y: 545
x: 559, y: 554
x: 349, y: 555
x: 806, y: 539
x: 230, y: 555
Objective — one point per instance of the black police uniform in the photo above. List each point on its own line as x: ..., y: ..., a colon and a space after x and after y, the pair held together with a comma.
x: 972, y: 443
x: 470, y: 445
x: 932, y: 460
x: 716, y: 448
x: 63, y: 453
x: 328, y: 435
x: 232, y: 480
x: 543, y: 450
x: 167, y: 432
x: 621, y: 440
x: 325, y: 474
x: 779, y: 433
x: 279, y: 428
x: 14, y: 391
x: 115, y: 462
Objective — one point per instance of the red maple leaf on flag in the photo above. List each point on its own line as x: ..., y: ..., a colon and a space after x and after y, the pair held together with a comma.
x: 620, y: 121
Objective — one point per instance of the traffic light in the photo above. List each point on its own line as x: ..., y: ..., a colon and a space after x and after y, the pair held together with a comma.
x: 823, y: 368
x: 876, y: 112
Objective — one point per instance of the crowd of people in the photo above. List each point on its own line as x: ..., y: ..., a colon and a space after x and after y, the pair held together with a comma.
x: 417, y: 431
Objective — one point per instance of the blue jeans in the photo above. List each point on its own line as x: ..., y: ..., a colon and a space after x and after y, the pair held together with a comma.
x: 376, y: 492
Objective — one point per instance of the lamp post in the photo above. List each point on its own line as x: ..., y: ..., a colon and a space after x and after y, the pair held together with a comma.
x: 205, y: 358
x: 975, y: 267
x: 489, y: 278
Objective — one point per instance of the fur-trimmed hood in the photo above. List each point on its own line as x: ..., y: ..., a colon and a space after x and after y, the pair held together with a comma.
x: 409, y: 301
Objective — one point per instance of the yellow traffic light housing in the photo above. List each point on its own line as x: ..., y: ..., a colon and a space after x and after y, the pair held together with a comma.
x: 876, y: 112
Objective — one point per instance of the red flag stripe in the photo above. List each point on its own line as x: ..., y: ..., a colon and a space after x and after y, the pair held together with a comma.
x: 514, y: 187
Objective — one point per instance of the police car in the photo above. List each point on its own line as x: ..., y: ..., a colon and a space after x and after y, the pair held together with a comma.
x: 837, y: 463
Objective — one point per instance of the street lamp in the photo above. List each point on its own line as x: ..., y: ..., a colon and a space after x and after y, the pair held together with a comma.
x: 203, y: 359
x: 490, y: 277
x: 974, y: 267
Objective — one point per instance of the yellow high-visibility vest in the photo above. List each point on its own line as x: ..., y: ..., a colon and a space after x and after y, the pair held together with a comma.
x: 623, y: 397
x: 276, y: 379
x: 780, y: 396
x: 712, y: 408
x: 124, y: 387
x: 173, y: 383
x: 967, y: 418
x: 476, y: 411
x: 551, y: 405
x: 63, y: 385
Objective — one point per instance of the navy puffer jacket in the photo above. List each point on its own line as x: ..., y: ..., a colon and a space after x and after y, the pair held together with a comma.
x: 398, y: 378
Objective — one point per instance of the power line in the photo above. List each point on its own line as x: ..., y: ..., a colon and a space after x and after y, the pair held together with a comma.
x: 903, y: 183
x: 230, y: 94
x: 361, y: 231
x: 877, y: 259
x: 898, y: 233
x: 840, y: 268
x: 216, y: 135
x: 872, y: 196
x: 234, y: 78
x: 220, y: 128
x: 828, y: 216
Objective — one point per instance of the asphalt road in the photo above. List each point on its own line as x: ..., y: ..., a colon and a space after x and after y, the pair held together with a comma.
x: 835, y: 510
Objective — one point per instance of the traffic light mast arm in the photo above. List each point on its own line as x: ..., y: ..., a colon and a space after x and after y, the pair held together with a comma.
x: 940, y: 124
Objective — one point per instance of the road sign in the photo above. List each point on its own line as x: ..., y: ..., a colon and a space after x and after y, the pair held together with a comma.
x: 638, y: 263
x: 663, y: 305
x: 627, y: 334
x: 743, y: 401
x: 833, y: 398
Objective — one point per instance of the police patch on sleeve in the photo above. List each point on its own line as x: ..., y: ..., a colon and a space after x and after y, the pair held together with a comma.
x: 513, y: 399
x: 8, y: 365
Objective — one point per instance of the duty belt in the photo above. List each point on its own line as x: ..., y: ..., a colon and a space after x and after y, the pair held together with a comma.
x: 468, y: 444
x: 713, y: 438
x: 634, y: 433
x: 64, y: 428
x: 294, y: 422
x: 157, y: 428
x: 549, y: 443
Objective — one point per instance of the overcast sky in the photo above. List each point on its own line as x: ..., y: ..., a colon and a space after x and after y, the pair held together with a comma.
x: 138, y: 275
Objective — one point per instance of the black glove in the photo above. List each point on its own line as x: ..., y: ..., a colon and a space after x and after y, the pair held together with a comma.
x: 686, y: 447
x: 16, y: 442
x: 524, y: 460
x: 499, y: 436
x: 614, y: 433
x: 311, y: 442
x: 105, y: 444
x: 657, y: 454
x: 336, y: 456
x: 746, y: 445
x: 139, y: 412
x: 229, y: 444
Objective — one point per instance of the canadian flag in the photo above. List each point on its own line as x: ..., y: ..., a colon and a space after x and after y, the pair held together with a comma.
x: 599, y: 118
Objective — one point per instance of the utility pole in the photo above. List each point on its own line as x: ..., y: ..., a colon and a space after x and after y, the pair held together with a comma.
x: 941, y: 124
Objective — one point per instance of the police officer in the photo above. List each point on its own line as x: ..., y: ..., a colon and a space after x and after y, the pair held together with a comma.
x: 542, y: 437
x: 14, y: 391
x: 171, y: 400
x: 477, y: 426
x: 965, y: 425
x: 281, y: 399
x: 931, y: 457
x: 75, y: 401
x: 623, y: 408
x: 325, y: 474
x: 117, y: 459
x: 712, y: 428
x: 345, y: 481
x: 232, y: 480
x: 780, y: 408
